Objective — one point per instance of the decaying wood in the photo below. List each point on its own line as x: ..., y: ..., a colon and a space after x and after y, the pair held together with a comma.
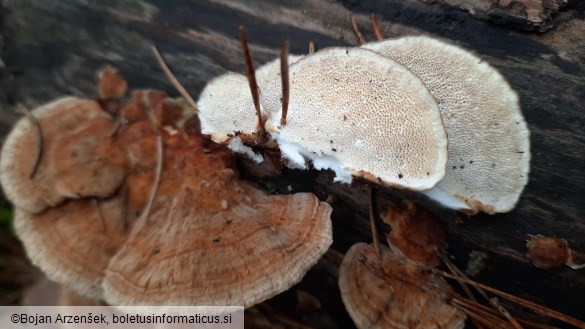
x: 56, y: 48
x: 525, y: 14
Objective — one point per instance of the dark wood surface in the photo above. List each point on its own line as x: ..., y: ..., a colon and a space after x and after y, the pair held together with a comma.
x: 54, y: 48
x: 524, y: 14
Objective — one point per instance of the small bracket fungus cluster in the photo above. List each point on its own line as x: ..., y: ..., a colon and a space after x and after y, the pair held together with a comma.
x: 402, y: 288
x: 383, y: 288
x: 550, y: 252
x: 412, y: 113
x: 77, y: 160
x: 416, y: 235
x: 382, y: 291
x: 134, y: 210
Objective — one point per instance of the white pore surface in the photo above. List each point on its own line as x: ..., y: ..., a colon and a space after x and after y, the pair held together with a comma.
x: 358, y: 111
x: 489, y: 146
x: 270, y: 84
x: 226, y: 106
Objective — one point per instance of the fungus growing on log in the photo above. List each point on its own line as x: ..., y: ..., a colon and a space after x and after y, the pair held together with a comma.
x: 212, y: 239
x: 384, y: 292
x: 359, y: 113
x: 74, y: 242
x: 111, y: 84
x: 489, y: 146
x: 415, y: 234
x: 78, y: 158
x: 551, y: 252
x: 225, y: 105
x: 269, y: 81
x: 181, y: 228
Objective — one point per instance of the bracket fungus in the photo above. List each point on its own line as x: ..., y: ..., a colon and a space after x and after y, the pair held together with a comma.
x: 269, y: 81
x: 225, y: 116
x: 180, y: 228
x: 226, y: 107
x: 415, y: 234
x: 74, y: 242
x: 78, y: 157
x: 381, y: 291
x: 359, y: 113
x: 550, y: 252
x: 111, y: 84
x: 489, y: 147
x: 212, y: 239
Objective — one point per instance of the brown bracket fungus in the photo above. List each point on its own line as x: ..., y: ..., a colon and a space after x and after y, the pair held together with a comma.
x: 78, y: 158
x: 213, y: 240
x: 384, y: 292
x: 489, y: 147
x: 181, y: 229
x: 359, y: 113
x: 551, y: 252
x: 111, y: 84
x: 74, y: 242
x: 415, y: 234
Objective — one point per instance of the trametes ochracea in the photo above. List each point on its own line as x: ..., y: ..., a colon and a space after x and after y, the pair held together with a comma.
x: 135, y: 210
x: 412, y: 112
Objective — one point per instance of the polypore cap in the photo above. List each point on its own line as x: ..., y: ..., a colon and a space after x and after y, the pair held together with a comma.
x: 489, y: 146
x: 550, y: 252
x: 270, y: 83
x: 73, y: 242
x: 78, y: 155
x: 224, y: 242
x: 370, y: 113
x: 384, y: 292
x: 111, y: 84
x: 226, y: 106
x: 416, y: 234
